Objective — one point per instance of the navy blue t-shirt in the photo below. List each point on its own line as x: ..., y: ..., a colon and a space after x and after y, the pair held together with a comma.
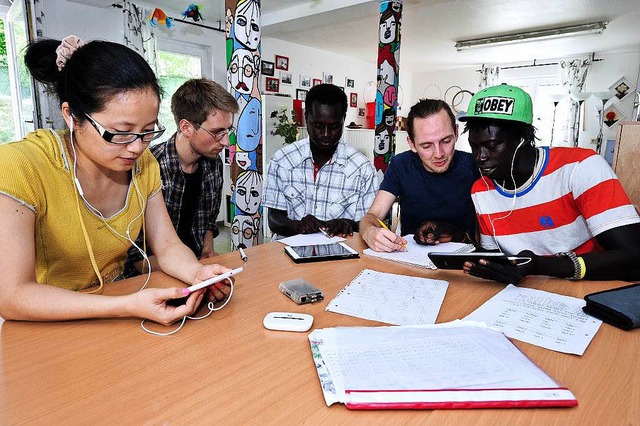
x: 442, y: 197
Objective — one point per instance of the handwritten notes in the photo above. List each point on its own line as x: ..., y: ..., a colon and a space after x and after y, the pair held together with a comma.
x: 417, y: 255
x: 541, y: 318
x: 391, y: 298
x: 462, y: 355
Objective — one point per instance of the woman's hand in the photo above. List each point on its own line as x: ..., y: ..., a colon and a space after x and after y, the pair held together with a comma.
x: 150, y: 303
x: 219, y: 291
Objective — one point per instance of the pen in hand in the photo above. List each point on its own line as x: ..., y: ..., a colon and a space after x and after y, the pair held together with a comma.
x: 385, y: 227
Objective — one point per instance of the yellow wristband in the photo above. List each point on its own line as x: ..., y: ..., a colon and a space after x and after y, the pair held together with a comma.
x: 583, y: 268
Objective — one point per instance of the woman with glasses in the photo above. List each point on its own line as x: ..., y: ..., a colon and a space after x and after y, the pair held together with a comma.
x: 72, y: 202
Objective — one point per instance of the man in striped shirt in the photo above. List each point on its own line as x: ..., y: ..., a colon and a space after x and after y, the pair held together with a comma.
x: 563, y: 207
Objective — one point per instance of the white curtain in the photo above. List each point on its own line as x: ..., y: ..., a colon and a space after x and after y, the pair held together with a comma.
x: 573, y: 74
x: 138, y: 33
x: 489, y: 76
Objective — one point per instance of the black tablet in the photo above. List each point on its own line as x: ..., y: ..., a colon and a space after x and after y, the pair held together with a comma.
x: 320, y: 252
x: 456, y: 260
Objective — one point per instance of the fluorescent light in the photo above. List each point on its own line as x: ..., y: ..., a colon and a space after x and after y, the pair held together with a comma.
x: 552, y: 33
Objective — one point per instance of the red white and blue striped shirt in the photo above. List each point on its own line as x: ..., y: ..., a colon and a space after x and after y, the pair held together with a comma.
x: 573, y: 197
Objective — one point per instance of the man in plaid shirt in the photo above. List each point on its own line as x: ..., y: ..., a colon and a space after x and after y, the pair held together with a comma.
x: 190, y: 165
x: 319, y: 182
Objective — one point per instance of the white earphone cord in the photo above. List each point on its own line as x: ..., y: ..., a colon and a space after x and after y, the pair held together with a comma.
x: 513, y: 202
x: 97, y: 212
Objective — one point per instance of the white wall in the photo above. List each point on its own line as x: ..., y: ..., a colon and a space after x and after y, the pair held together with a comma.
x: 313, y: 62
x: 437, y: 84
x: 603, y: 74
x: 62, y: 17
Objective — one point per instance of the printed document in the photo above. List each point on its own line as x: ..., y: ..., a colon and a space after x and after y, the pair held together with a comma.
x: 549, y: 320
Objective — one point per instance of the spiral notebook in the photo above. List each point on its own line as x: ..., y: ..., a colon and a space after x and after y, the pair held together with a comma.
x: 416, y: 254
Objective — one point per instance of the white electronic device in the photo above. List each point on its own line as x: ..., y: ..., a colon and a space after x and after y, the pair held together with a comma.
x: 214, y: 280
x: 287, y: 321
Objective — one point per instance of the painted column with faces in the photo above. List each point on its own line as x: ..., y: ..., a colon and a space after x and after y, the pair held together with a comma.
x: 388, y: 72
x: 242, y: 26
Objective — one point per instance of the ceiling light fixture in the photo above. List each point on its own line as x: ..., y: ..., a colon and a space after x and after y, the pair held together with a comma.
x: 552, y: 33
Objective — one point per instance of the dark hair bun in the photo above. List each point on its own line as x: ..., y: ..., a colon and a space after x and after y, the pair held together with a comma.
x: 40, y: 58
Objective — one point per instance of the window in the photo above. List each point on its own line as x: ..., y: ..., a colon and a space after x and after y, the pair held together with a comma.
x: 7, y: 120
x: 543, y: 84
x: 177, y: 63
x: 16, y: 102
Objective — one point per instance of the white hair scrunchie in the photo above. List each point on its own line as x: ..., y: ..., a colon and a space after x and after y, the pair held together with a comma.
x: 69, y: 45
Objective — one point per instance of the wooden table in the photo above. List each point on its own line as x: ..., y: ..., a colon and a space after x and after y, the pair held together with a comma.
x: 229, y: 369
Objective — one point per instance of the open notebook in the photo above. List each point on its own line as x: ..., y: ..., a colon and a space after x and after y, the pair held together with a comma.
x: 416, y: 254
x: 453, y: 365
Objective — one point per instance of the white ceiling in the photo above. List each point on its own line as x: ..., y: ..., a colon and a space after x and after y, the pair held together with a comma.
x: 430, y: 28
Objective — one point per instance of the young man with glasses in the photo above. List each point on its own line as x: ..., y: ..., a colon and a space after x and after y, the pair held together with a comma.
x: 190, y: 165
x: 320, y: 182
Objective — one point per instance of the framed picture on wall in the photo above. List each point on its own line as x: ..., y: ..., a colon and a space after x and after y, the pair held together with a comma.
x: 301, y: 94
x: 273, y: 85
x: 305, y: 81
x: 317, y: 81
x: 360, y: 112
x: 622, y: 88
x: 353, y: 99
x: 282, y: 63
x: 327, y: 78
x: 267, y: 68
x: 349, y: 83
x: 285, y: 77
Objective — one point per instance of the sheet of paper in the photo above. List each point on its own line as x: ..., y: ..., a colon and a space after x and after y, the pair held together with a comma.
x: 457, y: 355
x: 309, y: 240
x: 416, y: 254
x: 549, y: 320
x: 391, y: 298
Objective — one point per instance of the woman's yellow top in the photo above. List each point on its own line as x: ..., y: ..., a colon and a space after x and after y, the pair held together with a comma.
x: 38, y: 173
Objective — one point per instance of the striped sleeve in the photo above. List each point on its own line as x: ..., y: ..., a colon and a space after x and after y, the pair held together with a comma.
x: 600, y: 197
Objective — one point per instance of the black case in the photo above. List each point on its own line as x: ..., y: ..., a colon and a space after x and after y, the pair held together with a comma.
x: 619, y: 307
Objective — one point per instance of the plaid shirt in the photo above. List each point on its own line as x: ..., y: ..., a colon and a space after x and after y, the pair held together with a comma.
x: 344, y: 188
x: 173, y: 182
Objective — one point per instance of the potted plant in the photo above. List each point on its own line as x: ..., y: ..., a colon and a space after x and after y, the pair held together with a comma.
x: 285, y: 126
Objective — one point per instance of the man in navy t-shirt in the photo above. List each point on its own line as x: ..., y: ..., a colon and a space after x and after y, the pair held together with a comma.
x: 432, y: 182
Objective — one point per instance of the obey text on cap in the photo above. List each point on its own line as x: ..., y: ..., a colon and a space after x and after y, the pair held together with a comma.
x: 494, y: 105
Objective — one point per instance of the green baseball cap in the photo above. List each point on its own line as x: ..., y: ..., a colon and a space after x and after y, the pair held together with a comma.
x: 501, y: 102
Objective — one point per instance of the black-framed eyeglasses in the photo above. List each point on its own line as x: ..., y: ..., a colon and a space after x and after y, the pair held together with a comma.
x: 217, y: 136
x: 123, y: 138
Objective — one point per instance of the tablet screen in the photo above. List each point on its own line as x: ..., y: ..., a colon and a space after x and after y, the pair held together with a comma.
x: 321, y: 252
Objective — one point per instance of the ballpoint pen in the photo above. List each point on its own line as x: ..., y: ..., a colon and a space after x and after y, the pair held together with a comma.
x: 385, y: 227
x: 324, y: 233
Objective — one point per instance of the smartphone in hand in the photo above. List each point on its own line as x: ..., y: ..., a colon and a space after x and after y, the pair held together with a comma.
x: 203, y: 284
x: 456, y: 260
